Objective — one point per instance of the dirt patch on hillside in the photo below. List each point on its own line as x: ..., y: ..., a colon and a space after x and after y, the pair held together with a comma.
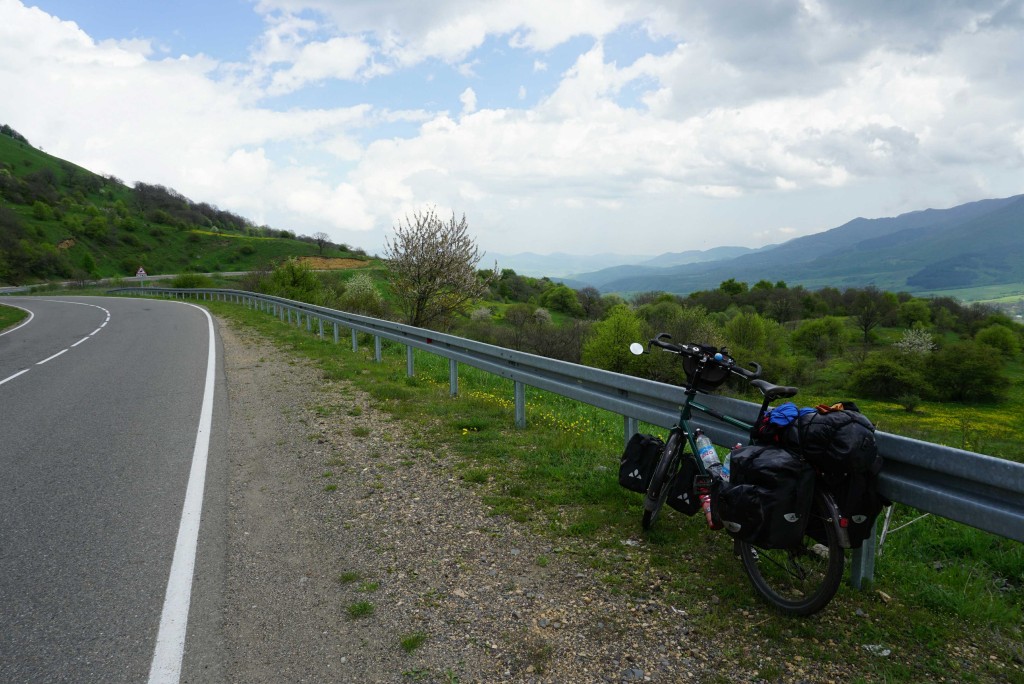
x: 331, y: 263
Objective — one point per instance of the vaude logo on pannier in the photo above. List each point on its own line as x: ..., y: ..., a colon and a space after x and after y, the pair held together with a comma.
x: 636, y: 474
x: 791, y: 517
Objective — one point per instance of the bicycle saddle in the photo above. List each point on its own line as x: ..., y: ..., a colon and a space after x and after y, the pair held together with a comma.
x: 772, y: 392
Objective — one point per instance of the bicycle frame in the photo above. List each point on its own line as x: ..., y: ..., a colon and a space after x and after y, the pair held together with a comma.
x: 703, y: 482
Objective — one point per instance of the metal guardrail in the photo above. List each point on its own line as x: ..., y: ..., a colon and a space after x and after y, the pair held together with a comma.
x: 978, y: 490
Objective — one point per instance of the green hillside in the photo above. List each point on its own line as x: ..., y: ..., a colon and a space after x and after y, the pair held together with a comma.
x: 61, y: 221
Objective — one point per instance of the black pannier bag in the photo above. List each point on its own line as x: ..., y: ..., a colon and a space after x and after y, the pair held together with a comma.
x: 836, y: 441
x: 639, y: 460
x: 841, y: 443
x: 767, y: 501
x: 859, y: 501
x: 681, y: 495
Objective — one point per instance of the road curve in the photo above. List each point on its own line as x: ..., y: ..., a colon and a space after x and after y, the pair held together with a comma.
x: 100, y: 405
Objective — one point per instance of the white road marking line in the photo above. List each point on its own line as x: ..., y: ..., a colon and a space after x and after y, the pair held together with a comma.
x: 170, y: 639
x: 80, y: 341
x: 40, y: 363
x: 14, y: 376
x: 95, y: 331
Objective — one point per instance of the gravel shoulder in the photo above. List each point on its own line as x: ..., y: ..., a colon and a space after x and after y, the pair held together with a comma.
x: 342, y: 541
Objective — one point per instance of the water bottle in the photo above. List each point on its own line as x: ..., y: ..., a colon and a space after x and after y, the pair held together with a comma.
x: 728, y: 461
x: 706, y: 452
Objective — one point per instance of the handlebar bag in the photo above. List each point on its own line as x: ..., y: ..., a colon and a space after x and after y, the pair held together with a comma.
x: 711, y: 374
x: 639, y: 461
x: 767, y: 501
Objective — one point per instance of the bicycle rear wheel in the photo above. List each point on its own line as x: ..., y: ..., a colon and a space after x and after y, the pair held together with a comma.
x: 803, y: 579
x: 661, y: 480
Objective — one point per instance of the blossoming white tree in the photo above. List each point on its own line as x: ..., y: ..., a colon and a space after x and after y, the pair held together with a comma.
x: 433, y: 268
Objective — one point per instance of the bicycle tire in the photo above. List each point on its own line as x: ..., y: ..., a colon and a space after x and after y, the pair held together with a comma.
x: 801, y: 580
x: 661, y: 481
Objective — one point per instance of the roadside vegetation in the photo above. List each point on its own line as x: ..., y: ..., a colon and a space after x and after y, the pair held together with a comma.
x: 10, y: 316
x: 947, y: 600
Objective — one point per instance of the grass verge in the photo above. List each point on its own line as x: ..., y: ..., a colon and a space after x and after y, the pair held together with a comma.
x: 947, y: 600
x: 10, y: 316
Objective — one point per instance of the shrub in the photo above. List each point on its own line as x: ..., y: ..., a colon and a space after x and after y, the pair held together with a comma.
x: 916, y: 341
x: 192, y: 280
x: 563, y: 299
x: 361, y: 296
x: 821, y: 337
x: 967, y: 371
x: 888, y: 376
x: 480, y: 314
x: 1001, y: 338
x: 608, y: 345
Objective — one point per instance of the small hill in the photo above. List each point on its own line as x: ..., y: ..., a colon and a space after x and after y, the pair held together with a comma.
x: 61, y: 221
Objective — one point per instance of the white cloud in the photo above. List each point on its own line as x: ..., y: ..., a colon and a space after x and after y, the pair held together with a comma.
x: 339, y: 58
x: 468, y: 100
x: 790, y: 103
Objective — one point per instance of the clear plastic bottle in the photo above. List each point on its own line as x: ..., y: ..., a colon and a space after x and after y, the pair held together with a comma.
x: 726, y: 466
x: 706, y: 452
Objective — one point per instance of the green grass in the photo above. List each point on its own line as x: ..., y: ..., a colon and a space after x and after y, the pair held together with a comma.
x: 10, y: 316
x: 955, y: 595
x: 410, y: 642
x: 360, y: 609
x: 348, y: 577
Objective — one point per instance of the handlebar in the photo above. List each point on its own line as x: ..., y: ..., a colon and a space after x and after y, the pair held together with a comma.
x: 704, y: 355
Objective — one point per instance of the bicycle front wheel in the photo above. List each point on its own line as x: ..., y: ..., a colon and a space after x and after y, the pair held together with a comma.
x: 661, y: 480
x: 800, y: 580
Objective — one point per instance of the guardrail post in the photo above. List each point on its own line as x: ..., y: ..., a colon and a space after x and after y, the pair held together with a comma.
x: 309, y: 323
x: 630, y: 426
x: 520, y: 392
x: 321, y: 322
x: 335, y: 332
x: 862, y: 561
x: 355, y: 340
x: 377, y: 356
x: 288, y: 315
x: 453, y: 377
x: 408, y: 361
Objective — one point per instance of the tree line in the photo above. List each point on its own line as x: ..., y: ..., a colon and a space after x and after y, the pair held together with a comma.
x: 877, y: 344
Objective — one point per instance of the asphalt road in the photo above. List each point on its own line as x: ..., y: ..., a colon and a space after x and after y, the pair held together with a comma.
x: 100, y: 404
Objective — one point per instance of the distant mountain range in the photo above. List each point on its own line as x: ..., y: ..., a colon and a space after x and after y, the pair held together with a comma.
x: 971, y: 245
x: 562, y: 266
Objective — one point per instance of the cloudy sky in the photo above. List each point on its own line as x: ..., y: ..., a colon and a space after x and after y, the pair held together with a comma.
x: 581, y: 126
